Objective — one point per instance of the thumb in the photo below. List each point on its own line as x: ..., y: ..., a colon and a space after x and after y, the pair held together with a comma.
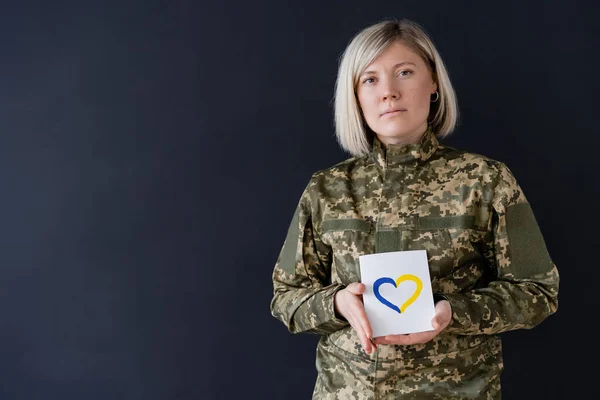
x: 435, y: 322
x: 356, y: 288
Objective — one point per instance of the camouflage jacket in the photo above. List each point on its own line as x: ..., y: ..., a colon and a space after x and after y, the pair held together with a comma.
x: 486, y: 256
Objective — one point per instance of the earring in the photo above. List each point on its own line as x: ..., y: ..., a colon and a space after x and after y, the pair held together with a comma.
x: 437, y: 97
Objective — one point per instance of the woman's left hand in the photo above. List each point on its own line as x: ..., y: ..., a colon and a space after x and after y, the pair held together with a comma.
x: 441, y: 319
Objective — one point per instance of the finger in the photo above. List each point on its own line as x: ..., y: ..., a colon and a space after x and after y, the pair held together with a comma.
x: 385, y: 339
x: 410, y: 338
x: 435, y: 322
x: 373, y: 344
x: 443, y: 311
x: 366, y: 331
x: 359, y: 315
x: 364, y: 321
x: 398, y: 339
x: 441, y: 319
x: 380, y: 340
x: 366, y: 343
x: 356, y: 288
x: 361, y: 287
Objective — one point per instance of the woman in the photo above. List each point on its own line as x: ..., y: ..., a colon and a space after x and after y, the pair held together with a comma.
x: 403, y: 190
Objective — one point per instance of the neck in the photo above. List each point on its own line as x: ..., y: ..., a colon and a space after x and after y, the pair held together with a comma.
x: 404, y: 155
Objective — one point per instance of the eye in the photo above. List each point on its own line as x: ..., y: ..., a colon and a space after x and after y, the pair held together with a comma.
x: 405, y: 72
x: 367, y: 80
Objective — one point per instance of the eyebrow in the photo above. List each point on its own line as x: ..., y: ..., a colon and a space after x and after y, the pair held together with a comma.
x: 394, y: 67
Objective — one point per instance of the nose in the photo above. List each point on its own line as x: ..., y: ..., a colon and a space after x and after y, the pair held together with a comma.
x: 390, y: 93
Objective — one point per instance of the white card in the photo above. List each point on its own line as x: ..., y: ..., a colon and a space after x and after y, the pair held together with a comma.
x: 398, y: 298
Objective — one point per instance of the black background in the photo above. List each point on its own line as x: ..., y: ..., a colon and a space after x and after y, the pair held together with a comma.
x: 152, y: 154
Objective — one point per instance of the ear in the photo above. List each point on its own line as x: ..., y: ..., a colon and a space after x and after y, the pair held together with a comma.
x: 434, y: 87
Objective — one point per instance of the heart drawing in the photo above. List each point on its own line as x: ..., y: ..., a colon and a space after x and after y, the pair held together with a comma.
x: 396, y: 283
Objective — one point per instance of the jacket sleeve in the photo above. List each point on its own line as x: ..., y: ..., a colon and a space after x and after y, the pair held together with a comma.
x: 525, y: 289
x: 302, y: 291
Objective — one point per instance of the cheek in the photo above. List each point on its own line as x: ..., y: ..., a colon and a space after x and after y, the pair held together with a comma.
x: 368, y: 106
x: 420, y: 96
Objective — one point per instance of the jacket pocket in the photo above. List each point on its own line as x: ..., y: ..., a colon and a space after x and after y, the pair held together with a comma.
x: 346, y: 342
x: 438, y: 245
x: 439, y: 237
x: 349, y: 238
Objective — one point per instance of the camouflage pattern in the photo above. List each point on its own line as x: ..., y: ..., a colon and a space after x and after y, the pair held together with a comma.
x: 486, y: 254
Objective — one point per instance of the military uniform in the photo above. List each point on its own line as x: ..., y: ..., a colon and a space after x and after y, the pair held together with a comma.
x: 486, y: 256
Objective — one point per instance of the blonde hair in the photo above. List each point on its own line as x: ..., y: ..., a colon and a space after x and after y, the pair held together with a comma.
x: 353, y: 134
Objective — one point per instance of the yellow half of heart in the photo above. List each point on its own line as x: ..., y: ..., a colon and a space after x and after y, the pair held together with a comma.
x: 417, y: 292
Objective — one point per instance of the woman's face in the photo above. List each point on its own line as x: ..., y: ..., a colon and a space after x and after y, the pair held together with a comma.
x: 400, y: 81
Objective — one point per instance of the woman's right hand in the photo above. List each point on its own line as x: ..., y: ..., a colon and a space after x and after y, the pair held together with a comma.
x: 349, y: 304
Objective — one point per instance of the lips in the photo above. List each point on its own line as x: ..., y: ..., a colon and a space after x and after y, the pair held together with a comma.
x: 393, y: 110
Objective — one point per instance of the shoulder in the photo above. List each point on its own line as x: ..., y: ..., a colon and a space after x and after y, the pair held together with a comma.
x: 345, y: 168
x: 453, y: 159
x: 330, y: 181
x: 342, y: 166
x: 493, y: 176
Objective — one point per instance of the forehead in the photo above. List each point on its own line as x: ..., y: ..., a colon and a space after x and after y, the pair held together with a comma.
x: 397, y: 52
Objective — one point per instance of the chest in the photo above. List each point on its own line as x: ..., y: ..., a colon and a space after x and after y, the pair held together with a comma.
x: 447, y: 214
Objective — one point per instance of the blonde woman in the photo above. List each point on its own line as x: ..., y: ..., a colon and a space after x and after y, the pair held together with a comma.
x: 404, y: 190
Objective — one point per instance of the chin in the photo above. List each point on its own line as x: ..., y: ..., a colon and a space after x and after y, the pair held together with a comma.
x: 398, y: 131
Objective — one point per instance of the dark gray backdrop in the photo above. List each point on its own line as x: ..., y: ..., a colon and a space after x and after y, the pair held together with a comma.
x: 152, y: 154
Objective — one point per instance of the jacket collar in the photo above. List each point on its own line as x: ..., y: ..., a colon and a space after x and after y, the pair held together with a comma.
x: 404, y: 154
